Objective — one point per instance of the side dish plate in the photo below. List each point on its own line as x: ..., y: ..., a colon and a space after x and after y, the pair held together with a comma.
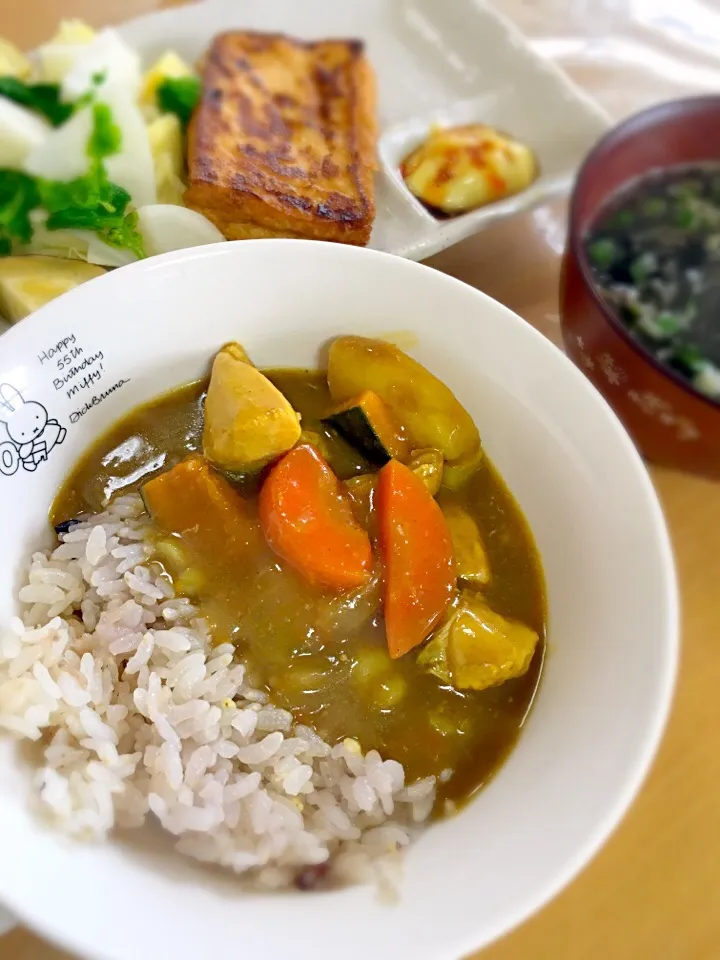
x: 449, y: 63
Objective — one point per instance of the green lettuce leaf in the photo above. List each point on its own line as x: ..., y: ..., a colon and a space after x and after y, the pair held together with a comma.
x: 43, y: 98
x: 18, y: 197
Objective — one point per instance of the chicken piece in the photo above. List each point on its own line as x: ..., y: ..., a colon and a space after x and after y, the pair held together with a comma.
x: 248, y: 422
x: 471, y: 562
x: 476, y: 648
x: 283, y: 142
x: 462, y: 168
x: 433, y: 656
x: 485, y: 649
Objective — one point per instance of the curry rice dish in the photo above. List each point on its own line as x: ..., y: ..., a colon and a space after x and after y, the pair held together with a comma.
x: 291, y: 614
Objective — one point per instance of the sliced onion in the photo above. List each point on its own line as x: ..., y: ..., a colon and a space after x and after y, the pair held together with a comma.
x: 62, y: 155
x: 107, y: 55
x: 341, y: 616
x: 165, y: 227
x: 21, y: 132
x: 133, y: 167
x: 57, y: 56
x: 105, y: 255
x: 57, y: 59
x: 68, y: 244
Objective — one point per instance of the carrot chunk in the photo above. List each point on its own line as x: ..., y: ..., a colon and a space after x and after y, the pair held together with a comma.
x: 418, y: 557
x: 308, y: 521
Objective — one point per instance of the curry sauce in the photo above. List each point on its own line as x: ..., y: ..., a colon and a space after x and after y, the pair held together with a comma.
x: 323, y: 656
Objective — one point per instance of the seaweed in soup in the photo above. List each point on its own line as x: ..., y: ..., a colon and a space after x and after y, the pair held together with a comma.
x: 655, y: 254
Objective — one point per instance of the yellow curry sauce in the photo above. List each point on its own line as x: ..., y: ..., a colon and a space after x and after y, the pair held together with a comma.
x: 323, y: 656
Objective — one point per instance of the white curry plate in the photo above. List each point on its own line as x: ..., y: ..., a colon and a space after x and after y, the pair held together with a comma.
x: 612, y: 601
x: 455, y: 61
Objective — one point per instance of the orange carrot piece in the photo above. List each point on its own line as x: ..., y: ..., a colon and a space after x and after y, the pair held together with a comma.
x: 308, y: 521
x: 196, y: 502
x: 418, y: 556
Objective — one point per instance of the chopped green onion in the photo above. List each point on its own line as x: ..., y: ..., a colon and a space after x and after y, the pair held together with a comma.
x: 623, y: 218
x: 18, y: 197
x: 641, y: 268
x: 688, y: 356
x: 655, y: 207
x: 603, y: 253
x: 684, y: 217
x: 668, y: 323
x: 647, y: 323
x: 685, y: 189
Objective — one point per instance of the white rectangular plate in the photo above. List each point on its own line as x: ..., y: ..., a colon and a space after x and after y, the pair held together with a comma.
x: 452, y: 61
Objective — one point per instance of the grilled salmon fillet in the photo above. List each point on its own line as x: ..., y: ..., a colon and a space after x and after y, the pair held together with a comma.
x: 282, y: 143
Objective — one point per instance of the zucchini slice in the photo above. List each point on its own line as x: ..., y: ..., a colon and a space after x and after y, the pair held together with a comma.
x: 369, y: 426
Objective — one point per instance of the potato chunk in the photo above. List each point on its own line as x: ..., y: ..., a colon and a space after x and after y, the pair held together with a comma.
x: 248, y: 422
x: 422, y: 404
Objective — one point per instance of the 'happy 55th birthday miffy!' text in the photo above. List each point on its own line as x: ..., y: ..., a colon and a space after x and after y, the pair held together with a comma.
x: 77, y: 372
x: 74, y: 367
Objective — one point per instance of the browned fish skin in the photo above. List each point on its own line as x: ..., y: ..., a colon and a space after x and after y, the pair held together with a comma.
x: 283, y: 141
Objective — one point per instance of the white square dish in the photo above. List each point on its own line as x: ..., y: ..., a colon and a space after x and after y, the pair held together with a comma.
x: 457, y: 61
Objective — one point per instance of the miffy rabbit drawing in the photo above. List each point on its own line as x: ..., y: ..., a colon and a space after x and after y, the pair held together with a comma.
x: 32, y: 435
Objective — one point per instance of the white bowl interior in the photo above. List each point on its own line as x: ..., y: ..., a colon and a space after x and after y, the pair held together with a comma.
x: 608, y: 679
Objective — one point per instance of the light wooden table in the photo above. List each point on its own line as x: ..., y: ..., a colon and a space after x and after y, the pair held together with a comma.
x: 653, y: 892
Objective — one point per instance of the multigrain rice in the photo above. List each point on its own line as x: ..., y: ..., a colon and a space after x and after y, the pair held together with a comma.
x: 137, y: 714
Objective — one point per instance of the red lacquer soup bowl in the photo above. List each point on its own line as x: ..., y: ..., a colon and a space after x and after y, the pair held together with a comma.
x: 671, y: 423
